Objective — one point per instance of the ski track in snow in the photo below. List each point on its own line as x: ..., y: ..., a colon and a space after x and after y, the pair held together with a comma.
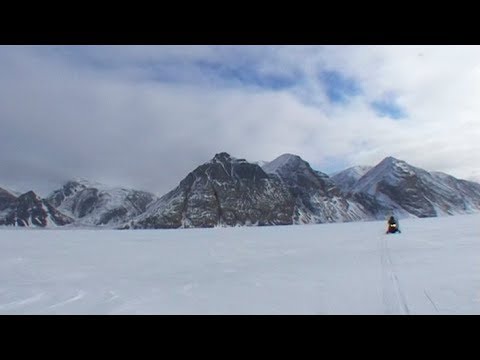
x: 23, y: 302
x: 393, y: 296
x: 431, y: 301
x: 80, y: 294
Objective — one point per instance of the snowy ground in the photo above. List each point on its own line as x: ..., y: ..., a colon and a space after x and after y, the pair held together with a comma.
x: 433, y: 267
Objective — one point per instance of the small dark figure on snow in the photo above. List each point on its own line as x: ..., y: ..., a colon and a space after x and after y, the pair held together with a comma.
x: 392, y: 226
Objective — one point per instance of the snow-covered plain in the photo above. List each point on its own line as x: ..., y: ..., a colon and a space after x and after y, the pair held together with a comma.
x: 433, y: 267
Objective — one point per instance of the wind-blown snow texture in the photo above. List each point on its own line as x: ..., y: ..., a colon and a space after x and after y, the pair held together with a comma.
x: 347, y: 268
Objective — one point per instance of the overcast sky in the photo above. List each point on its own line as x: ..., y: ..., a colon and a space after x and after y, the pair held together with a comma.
x: 145, y: 116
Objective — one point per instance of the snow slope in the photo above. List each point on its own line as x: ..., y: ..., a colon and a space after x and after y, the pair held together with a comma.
x: 346, y: 268
x: 273, y: 166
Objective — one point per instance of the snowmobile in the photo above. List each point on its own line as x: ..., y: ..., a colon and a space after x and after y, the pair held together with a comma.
x: 393, y: 228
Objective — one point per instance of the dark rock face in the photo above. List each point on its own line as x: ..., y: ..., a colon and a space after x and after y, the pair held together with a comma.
x: 30, y: 210
x: 412, y: 197
x: 68, y: 190
x: 225, y: 191
x: 86, y: 202
x: 375, y: 208
x: 111, y: 215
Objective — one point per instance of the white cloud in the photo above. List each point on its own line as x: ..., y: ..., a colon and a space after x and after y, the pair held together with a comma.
x: 97, y: 112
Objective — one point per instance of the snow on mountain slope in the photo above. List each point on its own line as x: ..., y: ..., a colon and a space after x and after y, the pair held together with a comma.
x: 97, y: 204
x: 261, y: 163
x: 408, y: 189
x: 279, y: 162
x: 347, y: 178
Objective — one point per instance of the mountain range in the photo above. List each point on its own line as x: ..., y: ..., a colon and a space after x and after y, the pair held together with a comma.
x: 227, y: 191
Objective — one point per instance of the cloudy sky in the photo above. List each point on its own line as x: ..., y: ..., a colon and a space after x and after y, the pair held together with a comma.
x: 144, y: 116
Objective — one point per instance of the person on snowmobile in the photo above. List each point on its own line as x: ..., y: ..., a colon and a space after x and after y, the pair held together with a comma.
x: 392, y: 226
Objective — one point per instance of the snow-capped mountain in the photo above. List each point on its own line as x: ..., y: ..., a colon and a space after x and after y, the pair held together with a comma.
x: 96, y: 204
x: 345, y: 179
x: 29, y: 210
x: 261, y: 163
x: 408, y: 190
x: 222, y: 192
x: 317, y: 199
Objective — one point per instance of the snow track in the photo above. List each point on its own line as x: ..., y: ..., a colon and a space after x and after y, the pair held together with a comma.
x: 393, y: 297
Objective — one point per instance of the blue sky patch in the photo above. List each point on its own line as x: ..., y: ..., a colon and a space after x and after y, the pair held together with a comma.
x: 388, y: 108
x: 339, y: 88
x: 247, y: 75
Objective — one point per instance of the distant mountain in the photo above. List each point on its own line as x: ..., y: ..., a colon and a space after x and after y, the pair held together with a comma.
x: 96, y: 204
x: 409, y: 190
x: 29, y: 210
x: 222, y: 192
x: 317, y: 199
x: 345, y: 179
